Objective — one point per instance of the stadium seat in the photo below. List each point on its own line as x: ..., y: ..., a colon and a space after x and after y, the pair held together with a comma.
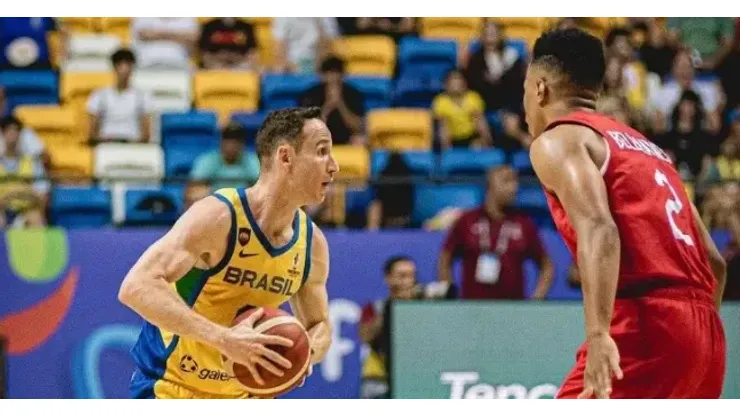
x: 79, y: 24
x: 494, y: 121
x: 531, y: 197
x: 153, y: 207
x: 171, y: 90
x: 426, y: 58
x: 251, y: 122
x: 54, y: 124
x: 420, y: 162
x: 431, y: 199
x: 117, y: 26
x: 357, y: 200
x: 284, y: 90
x: 226, y: 92
x: 377, y: 91
x: 76, y: 87
x: 74, y: 207
x: 354, y: 162
x: 520, y: 45
x: 471, y: 162
x: 416, y: 92
x: 525, y: 28
x: 184, y: 137
x: 521, y: 162
x: 400, y: 129
x: 90, y: 52
x: 265, y: 42
x: 129, y: 161
x: 71, y: 161
x: 459, y: 29
x: 29, y: 87
x: 369, y: 55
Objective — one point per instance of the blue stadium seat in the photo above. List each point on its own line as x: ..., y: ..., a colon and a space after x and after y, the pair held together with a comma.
x: 153, y: 207
x: 185, y: 136
x: 426, y: 58
x: 356, y: 200
x: 431, y: 199
x: 471, y: 162
x: 519, y: 44
x: 420, y: 162
x: 417, y: 92
x: 251, y: 122
x: 494, y: 122
x: 29, y: 87
x: 74, y: 207
x: 377, y: 91
x: 531, y: 197
x: 284, y: 90
x: 521, y: 162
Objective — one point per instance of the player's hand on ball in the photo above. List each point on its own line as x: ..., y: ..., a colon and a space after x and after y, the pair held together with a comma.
x: 248, y: 347
x: 602, y: 363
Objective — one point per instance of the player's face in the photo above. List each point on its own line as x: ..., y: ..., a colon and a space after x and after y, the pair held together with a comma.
x: 314, y: 167
x: 532, y: 101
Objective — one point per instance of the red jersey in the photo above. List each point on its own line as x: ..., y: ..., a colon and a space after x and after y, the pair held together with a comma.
x: 659, y: 237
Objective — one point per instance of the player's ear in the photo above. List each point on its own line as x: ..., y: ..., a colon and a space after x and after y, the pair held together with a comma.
x: 285, y: 154
x: 542, y: 91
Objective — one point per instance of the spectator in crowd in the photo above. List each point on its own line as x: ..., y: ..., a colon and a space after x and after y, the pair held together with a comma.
x: 395, y: 27
x: 302, y: 42
x: 23, y: 189
x: 721, y: 212
x: 4, y: 108
x: 712, y: 97
x: 400, y: 277
x: 708, y: 37
x: 513, y: 136
x: 656, y: 53
x: 496, y: 71
x: 393, y: 202
x: 460, y: 114
x: 342, y: 106
x: 726, y: 167
x: 230, y: 166
x: 25, y: 43
x: 164, y: 42
x: 229, y: 43
x: 729, y: 69
x: 120, y: 112
x: 614, y: 95
x: 195, y: 191
x: 494, y: 241
x: 619, y: 49
x: 689, y: 144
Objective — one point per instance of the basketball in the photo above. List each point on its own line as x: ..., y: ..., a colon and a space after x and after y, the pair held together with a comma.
x: 280, y: 323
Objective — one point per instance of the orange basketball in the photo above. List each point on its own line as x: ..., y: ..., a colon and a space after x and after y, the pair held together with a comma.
x: 280, y: 323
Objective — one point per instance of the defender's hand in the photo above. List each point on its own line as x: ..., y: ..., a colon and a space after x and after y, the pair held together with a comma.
x: 243, y: 345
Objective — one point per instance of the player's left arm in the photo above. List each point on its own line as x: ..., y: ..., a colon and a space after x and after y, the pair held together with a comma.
x: 311, y: 303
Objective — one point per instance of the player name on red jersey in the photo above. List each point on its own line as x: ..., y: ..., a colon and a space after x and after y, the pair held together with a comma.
x: 625, y: 141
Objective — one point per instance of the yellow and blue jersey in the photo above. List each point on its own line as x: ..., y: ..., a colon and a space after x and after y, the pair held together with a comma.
x: 252, y: 273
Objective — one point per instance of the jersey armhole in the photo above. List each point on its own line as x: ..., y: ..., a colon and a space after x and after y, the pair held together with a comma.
x: 608, y: 156
x: 309, y: 245
x: 231, y: 239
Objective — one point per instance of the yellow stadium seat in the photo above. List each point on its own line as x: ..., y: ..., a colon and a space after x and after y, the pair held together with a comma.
x: 76, y: 87
x: 525, y: 28
x: 461, y: 29
x: 55, y: 125
x: 117, y: 26
x: 400, y: 129
x: 354, y: 162
x: 71, y: 161
x: 266, y: 44
x: 226, y: 92
x: 79, y: 24
x: 367, y: 55
x: 54, y: 40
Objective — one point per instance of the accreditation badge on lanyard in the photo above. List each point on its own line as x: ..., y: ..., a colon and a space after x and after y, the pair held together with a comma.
x: 488, y: 268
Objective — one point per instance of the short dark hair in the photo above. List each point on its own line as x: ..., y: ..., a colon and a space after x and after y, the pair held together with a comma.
x: 10, y: 120
x: 391, y: 262
x: 614, y: 34
x: 123, y: 55
x: 332, y: 64
x: 233, y: 131
x: 285, y: 124
x: 573, y: 52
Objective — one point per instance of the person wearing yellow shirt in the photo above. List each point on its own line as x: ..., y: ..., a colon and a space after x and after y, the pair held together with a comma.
x: 459, y: 112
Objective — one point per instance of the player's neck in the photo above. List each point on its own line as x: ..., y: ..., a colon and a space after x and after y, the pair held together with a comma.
x: 272, y: 209
x: 567, y: 106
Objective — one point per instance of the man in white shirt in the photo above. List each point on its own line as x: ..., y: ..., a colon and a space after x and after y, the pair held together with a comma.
x: 302, y: 42
x: 120, y: 112
x: 164, y: 42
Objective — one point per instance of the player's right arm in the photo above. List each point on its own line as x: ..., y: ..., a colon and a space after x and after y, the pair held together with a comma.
x: 716, y: 261
x: 200, y: 234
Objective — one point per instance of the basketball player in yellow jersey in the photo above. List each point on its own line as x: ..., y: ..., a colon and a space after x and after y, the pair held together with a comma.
x: 238, y: 249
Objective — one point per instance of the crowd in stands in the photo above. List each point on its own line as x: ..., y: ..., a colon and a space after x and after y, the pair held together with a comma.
x: 143, y: 116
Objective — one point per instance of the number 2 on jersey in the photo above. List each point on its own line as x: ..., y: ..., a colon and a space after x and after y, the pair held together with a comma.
x: 672, y: 207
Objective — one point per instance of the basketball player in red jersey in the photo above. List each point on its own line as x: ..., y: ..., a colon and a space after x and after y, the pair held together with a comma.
x: 652, y: 278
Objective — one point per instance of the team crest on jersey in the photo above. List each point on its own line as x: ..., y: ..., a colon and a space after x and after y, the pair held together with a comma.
x: 245, y: 234
x: 293, y: 272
